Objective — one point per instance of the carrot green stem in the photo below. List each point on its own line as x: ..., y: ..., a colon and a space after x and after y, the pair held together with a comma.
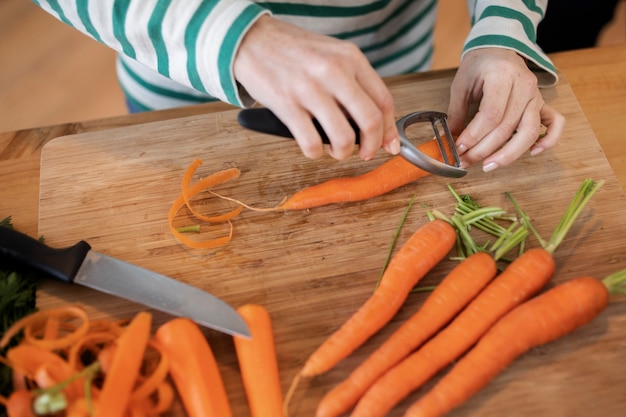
x: 52, y: 400
x: 189, y: 229
x: 616, y: 282
x: 586, y: 190
x: 426, y: 288
x: 395, y: 238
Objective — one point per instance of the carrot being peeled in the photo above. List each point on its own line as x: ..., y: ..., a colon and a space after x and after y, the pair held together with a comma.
x: 392, y: 174
x: 258, y: 364
x: 194, y: 369
x: 547, y: 317
x: 459, y: 287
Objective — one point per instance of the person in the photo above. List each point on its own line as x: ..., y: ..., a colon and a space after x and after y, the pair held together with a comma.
x: 322, y: 59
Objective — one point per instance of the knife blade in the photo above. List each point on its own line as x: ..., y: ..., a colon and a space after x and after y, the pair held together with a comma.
x: 81, y: 265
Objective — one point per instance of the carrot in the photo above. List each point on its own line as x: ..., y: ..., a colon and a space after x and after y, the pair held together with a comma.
x: 19, y: 404
x: 424, y: 249
x: 547, y: 317
x: 194, y: 369
x: 521, y: 280
x: 258, y: 363
x: 120, y: 380
x: 392, y: 174
x: 459, y: 287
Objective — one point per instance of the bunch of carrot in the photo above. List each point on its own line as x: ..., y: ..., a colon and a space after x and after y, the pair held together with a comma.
x: 69, y: 365
x: 458, y: 314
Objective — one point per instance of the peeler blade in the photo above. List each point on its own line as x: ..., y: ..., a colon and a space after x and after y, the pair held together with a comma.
x: 438, y: 121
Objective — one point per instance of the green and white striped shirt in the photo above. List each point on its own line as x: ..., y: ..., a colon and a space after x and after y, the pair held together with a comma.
x: 180, y: 52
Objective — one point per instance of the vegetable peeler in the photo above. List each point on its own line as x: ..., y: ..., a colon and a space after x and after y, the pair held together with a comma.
x: 263, y: 120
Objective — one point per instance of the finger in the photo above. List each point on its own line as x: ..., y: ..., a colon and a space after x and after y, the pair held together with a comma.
x: 386, y: 135
x: 368, y: 117
x: 555, y: 124
x: 458, y: 108
x: 496, y: 103
x: 300, y: 123
x: 525, y: 136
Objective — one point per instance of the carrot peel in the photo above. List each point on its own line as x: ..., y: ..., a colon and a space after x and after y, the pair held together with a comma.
x: 184, y: 200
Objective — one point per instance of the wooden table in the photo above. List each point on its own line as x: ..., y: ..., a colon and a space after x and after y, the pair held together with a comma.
x: 597, y: 77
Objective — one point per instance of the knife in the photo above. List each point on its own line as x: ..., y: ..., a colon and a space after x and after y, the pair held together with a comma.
x: 81, y: 265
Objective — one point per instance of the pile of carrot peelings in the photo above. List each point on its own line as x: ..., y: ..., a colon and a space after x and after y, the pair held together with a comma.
x: 189, y: 191
x: 68, y: 365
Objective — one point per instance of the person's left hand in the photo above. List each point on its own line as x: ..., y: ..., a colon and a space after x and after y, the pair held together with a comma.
x: 510, y: 114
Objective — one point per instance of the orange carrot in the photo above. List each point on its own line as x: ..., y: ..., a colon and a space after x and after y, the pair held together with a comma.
x: 194, y: 369
x: 547, y: 317
x: 392, y: 174
x: 521, y: 280
x: 19, y: 404
x: 258, y: 364
x: 460, y: 286
x: 120, y: 380
x: 424, y: 249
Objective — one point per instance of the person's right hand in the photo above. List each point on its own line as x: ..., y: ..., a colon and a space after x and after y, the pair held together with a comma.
x: 301, y: 75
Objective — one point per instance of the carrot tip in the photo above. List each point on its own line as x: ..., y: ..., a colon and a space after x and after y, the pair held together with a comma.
x: 290, y: 392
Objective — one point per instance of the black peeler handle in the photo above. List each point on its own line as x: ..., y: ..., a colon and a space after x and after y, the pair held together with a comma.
x: 265, y: 121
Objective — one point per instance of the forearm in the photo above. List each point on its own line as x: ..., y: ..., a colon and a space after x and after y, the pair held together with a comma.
x: 511, y: 25
x: 193, y: 42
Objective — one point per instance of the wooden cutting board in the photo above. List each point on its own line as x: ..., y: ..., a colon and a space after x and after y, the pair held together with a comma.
x: 312, y: 269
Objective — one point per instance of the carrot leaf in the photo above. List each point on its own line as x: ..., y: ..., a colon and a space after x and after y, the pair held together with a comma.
x: 395, y: 238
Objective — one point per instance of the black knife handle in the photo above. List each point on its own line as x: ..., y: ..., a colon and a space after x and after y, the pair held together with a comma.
x: 23, y: 252
x: 263, y: 120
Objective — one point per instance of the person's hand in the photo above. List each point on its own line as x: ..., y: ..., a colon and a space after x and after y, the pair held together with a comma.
x: 510, y: 114
x: 301, y: 75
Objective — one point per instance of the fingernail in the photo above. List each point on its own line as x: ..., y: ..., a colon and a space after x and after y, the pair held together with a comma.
x: 536, y: 150
x: 394, y: 146
x: 461, y: 148
x: 490, y: 166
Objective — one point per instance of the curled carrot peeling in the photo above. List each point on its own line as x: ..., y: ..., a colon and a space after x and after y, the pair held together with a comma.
x: 189, y: 191
x: 68, y: 365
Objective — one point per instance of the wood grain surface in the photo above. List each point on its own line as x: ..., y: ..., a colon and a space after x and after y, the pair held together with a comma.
x: 312, y: 269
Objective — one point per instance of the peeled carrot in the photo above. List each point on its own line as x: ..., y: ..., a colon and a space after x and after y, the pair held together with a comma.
x: 194, y: 369
x: 459, y: 287
x: 392, y: 174
x: 547, y: 317
x: 258, y: 364
x: 120, y: 379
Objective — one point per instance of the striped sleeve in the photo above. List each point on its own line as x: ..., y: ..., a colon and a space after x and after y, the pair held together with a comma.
x: 192, y: 42
x: 511, y: 24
